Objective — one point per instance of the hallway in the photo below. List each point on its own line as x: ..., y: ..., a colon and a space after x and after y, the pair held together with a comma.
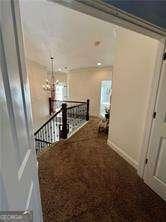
x: 83, y: 179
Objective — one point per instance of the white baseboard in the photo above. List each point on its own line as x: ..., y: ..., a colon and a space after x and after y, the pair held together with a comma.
x: 74, y: 131
x: 124, y: 155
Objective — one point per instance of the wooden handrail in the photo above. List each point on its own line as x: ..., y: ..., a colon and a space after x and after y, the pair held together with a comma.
x: 68, y: 101
x: 81, y: 103
x: 71, y: 107
x: 52, y: 117
x: 43, y: 141
x: 57, y: 126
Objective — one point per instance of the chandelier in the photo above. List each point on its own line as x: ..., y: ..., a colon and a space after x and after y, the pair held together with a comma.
x: 49, y: 85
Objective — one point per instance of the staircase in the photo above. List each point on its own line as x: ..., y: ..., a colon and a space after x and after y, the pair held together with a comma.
x: 67, y: 118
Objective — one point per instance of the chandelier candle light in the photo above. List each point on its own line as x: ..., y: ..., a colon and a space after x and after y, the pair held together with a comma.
x: 50, y: 85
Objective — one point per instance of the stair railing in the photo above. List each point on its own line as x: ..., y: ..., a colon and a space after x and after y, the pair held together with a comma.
x: 62, y: 123
x: 48, y: 133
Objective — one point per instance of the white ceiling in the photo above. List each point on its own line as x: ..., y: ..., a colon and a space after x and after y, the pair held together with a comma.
x: 54, y: 30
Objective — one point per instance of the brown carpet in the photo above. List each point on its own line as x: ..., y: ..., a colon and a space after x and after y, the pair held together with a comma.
x: 83, y: 179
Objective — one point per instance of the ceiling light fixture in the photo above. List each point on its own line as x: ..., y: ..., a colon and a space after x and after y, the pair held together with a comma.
x: 99, y: 64
x: 97, y: 43
x: 50, y: 82
x: 59, y: 69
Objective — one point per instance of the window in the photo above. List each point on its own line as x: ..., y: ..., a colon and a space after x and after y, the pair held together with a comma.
x: 61, y: 91
x: 106, y: 87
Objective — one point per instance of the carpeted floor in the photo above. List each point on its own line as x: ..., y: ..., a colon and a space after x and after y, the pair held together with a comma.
x: 84, y: 180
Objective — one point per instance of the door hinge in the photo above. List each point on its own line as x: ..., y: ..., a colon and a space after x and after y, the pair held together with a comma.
x: 146, y: 161
x: 154, y: 115
x: 164, y: 56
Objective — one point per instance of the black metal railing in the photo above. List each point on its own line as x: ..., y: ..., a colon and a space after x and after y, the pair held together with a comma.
x: 49, y: 133
x: 55, y: 105
x: 63, y: 123
x: 41, y: 143
x: 76, y: 116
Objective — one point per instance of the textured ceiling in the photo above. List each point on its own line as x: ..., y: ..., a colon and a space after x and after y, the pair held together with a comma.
x: 54, y: 30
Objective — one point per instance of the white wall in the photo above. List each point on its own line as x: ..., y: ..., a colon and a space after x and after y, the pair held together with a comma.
x: 39, y: 97
x: 132, y: 77
x: 85, y: 84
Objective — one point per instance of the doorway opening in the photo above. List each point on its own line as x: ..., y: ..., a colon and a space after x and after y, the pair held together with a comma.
x: 105, y: 97
x: 61, y: 91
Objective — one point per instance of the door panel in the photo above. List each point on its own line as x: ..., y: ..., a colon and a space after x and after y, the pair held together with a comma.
x: 161, y: 163
x: 155, y: 170
x: 14, y: 81
x: 18, y: 164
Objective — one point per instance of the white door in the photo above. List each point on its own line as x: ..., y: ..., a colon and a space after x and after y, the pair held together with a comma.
x: 155, y: 170
x: 19, y: 187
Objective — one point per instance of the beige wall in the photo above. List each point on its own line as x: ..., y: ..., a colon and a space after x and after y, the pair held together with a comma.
x: 132, y: 77
x: 85, y: 84
x: 61, y: 77
x: 39, y: 98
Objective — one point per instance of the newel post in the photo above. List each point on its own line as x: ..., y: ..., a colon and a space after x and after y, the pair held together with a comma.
x: 87, y: 110
x: 50, y: 106
x: 64, y: 121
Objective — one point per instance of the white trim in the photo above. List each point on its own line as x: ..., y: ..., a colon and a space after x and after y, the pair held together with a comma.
x: 73, y: 132
x: 92, y: 68
x: 29, y: 195
x: 124, y: 155
x: 23, y: 164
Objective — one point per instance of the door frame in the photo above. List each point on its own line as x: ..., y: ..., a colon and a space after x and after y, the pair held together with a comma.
x: 100, y: 93
x: 106, y: 12
x: 24, y: 168
x: 150, y: 172
x: 151, y: 109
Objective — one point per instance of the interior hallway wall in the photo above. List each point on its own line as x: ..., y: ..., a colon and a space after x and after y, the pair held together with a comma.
x: 86, y: 83
x: 61, y: 77
x: 39, y: 97
x: 133, y: 72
